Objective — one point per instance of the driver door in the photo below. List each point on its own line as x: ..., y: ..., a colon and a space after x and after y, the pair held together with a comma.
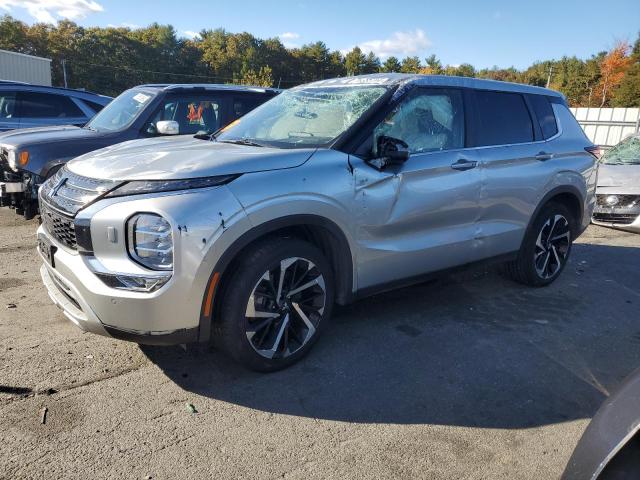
x: 420, y: 216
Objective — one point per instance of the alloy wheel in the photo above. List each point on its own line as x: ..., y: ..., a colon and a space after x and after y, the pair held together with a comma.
x: 285, y: 308
x: 552, y: 246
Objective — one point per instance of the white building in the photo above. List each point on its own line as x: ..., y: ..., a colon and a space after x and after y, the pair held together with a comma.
x: 19, y: 67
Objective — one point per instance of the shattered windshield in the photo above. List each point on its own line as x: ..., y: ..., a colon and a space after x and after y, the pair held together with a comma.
x: 121, y: 112
x: 303, y: 117
x: 626, y: 152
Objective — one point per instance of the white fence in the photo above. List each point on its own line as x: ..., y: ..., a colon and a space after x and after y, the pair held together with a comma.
x: 608, y: 126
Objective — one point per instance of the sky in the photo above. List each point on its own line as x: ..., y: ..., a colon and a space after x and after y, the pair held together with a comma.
x: 483, y: 33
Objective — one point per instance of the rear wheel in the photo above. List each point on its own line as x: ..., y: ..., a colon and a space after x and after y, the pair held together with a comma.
x: 276, y: 304
x: 545, y: 248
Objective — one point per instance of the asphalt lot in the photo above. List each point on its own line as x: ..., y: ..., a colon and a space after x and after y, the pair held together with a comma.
x: 470, y: 376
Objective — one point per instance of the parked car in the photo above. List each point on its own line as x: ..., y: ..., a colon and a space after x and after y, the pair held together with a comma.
x: 23, y: 105
x: 28, y: 157
x: 329, y: 192
x: 618, y: 192
x: 610, y: 446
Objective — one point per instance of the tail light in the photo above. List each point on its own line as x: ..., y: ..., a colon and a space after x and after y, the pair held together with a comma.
x: 595, y: 150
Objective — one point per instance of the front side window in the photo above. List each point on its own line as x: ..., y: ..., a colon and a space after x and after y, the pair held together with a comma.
x: 7, y: 105
x: 427, y: 121
x: 47, y: 105
x: 626, y: 152
x: 503, y: 119
x: 193, y: 114
x: 122, y: 111
x: 304, y: 117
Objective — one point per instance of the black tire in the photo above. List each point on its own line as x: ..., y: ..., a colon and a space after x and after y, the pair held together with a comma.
x: 525, y: 268
x: 235, y: 328
x: 30, y: 209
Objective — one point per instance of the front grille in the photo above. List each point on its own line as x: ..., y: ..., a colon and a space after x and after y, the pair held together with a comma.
x: 620, y: 218
x: 59, y: 226
x: 68, y: 192
x: 621, y: 201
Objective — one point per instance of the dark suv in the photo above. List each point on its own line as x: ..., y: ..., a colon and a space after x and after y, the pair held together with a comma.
x: 24, y: 106
x: 29, y: 157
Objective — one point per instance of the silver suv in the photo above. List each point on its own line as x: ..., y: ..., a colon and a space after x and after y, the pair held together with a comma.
x: 329, y: 192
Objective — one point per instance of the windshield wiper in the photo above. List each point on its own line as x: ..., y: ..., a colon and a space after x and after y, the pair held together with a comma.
x: 243, y: 141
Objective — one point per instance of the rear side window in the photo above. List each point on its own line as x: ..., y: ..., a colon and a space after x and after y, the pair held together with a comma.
x: 45, y: 105
x: 244, y: 104
x: 502, y: 118
x: 543, y: 110
x: 96, y: 107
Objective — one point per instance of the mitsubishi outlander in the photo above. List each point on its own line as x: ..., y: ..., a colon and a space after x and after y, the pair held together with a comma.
x: 327, y: 193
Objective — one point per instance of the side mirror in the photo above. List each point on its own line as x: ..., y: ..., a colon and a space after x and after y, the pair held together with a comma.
x: 168, y: 127
x: 391, y: 151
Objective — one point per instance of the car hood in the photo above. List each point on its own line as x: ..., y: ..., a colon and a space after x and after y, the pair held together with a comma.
x: 621, y: 179
x: 174, y: 158
x: 32, y: 136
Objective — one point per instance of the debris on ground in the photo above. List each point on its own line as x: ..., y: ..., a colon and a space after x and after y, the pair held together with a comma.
x: 89, y: 357
x: 11, y: 305
x: 43, y: 415
x: 191, y: 408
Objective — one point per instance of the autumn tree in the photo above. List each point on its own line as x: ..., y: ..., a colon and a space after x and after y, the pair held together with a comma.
x: 410, y: 65
x: 612, y: 70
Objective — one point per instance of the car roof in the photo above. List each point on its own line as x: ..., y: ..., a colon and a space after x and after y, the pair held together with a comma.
x: 22, y: 86
x: 407, y: 80
x: 209, y: 86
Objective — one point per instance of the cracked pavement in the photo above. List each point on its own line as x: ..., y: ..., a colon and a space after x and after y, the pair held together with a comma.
x: 466, y: 377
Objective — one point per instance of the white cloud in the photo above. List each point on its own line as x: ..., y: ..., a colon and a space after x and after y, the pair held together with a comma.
x: 289, y: 35
x: 400, y: 44
x: 286, y: 38
x: 130, y: 26
x: 47, y: 10
x: 190, y: 34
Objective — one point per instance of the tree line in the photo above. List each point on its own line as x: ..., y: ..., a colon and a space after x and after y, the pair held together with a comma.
x: 110, y: 60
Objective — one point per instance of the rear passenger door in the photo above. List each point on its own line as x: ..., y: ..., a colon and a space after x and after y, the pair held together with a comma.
x: 514, y: 166
x: 37, y: 109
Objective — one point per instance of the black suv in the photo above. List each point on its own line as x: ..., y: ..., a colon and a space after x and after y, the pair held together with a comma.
x: 29, y: 157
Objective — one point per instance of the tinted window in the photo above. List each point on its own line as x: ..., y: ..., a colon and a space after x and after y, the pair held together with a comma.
x: 46, y: 105
x: 193, y: 114
x: 96, y: 107
x: 244, y: 104
x: 7, y: 105
x: 544, y: 112
x: 503, y: 118
x: 428, y: 120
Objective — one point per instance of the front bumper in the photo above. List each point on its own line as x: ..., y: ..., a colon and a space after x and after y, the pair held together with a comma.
x: 94, y: 307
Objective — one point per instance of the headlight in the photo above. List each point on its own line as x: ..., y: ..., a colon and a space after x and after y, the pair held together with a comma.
x: 150, y: 241
x: 154, y: 186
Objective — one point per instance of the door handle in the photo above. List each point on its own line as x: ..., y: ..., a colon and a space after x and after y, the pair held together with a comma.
x: 464, y: 164
x: 543, y: 156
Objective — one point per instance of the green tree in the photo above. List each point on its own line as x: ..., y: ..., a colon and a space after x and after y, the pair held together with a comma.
x: 391, y: 64
x: 434, y: 65
x: 355, y: 61
x: 371, y: 64
x: 410, y: 65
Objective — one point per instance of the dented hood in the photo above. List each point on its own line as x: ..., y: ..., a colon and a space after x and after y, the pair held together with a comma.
x: 172, y: 158
x: 621, y: 179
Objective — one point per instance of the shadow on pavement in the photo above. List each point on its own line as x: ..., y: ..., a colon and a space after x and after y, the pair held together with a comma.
x: 469, y: 350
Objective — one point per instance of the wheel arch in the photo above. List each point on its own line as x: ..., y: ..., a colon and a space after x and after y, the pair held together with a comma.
x: 318, y: 230
x: 569, y: 196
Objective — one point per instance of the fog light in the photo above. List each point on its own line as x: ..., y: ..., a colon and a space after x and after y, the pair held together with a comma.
x: 133, y: 282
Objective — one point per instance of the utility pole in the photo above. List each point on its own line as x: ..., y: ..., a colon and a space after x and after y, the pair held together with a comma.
x: 64, y: 72
x: 550, y: 74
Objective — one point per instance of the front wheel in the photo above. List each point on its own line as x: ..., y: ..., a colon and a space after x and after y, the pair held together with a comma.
x: 276, y: 303
x: 546, y: 247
